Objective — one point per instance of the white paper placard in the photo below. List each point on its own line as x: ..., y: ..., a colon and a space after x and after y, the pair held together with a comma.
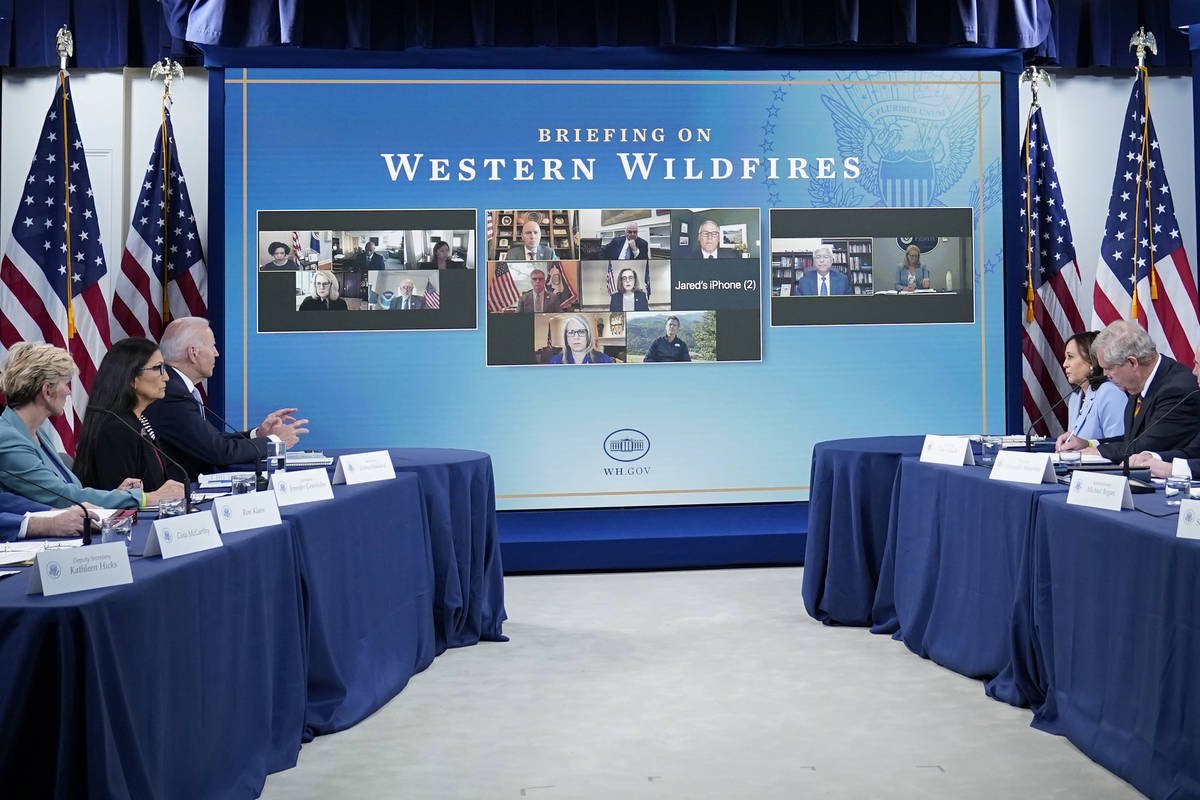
x: 303, y: 486
x: 953, y: 451
x: 77, y: 568
x: 364, y: 468
x: 1018, y: 467
x: 178, y: 536
x: 241, y: 512
x: 1189, y: 520
x: 1098, y: 490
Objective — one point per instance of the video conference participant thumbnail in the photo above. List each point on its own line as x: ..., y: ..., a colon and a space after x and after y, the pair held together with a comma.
x: 671, y: 337
x: 823, y: 280
x: 410, y: 290
x: 531, y: 247
x: 580, y: 343
x: 324, y: 292
x: 625, y: 286
x: 279, y: 257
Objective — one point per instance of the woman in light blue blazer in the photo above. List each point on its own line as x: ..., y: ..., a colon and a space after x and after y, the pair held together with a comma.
x: 1096, y: 409
x: 37, y: 383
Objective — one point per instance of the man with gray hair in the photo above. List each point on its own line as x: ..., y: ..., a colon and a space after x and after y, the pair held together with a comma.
x: 1163, y: 411
x: 179, y: 418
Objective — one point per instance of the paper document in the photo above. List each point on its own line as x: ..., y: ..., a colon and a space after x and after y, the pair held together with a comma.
x: 1088, y: 458
x: 221, y: 480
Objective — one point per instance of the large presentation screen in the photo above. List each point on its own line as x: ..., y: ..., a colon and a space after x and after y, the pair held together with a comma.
x: 746, y: 263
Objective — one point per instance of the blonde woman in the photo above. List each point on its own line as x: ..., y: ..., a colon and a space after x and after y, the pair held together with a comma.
x: 579, y: 343
x: 324, y: 294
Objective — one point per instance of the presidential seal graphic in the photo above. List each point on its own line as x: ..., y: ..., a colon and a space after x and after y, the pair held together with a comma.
x: 913, y: 141
x: 626, y: 444
x: 53, y: 569
x: 227, y: 513
x: 1189, y: 517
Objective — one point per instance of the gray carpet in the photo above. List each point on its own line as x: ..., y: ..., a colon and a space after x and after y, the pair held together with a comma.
x: 703, y: 684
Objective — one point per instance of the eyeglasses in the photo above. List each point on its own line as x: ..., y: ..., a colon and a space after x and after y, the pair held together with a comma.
x: 160, y: 367
x: 323, y: 283
x: 575, y: 332
x: 710, y: 234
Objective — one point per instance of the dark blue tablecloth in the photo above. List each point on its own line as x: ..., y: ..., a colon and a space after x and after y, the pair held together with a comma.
x: 849, y: 508
x: 956, y: 549
x: 1115, y: 663
x: 367, y: 577
x: 186, y: 683
x: 468, y: 576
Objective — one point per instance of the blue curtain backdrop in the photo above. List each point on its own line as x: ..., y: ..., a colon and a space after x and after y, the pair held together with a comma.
x: 133, y: 33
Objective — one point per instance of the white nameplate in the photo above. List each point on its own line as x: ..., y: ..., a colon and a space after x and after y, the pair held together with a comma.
x: 1189, y: 520
x: 74, y: 569
x: 303, y: 486
x: 951, y: 450
x: 1023, y: 467
x: 1098, y: 490
x: 364, y: 468
x: 178, y: 536
x: 241, y: 512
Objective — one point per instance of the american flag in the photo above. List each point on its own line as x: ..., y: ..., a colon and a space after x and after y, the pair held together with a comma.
x: 647, y: 280
x: 55, y: 249
x: 568, y: 293
x: 297, y: 251
x: 502, y: 293
x: 1144, y: 272
x: 612, y: 280
x: 1052, y: 282
x: 162, y: 248
x: 432, y: 299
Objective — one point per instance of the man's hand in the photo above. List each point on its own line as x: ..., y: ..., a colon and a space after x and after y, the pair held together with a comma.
x: 281, y: 423
x: 130, y: 483
x: 65, y: 524
x: 1145, y: 459
x: 171, y: 490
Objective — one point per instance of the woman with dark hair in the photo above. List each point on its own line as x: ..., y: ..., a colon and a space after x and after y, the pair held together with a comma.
x: 628, y: 296
x: 441, y: 258
x: 115, y: 440
x: 37, y: 379
x: 1096, y: 409
x: 280, y: 258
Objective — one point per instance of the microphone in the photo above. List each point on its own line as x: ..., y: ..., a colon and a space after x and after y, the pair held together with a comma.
x: 1032, y: 425
x: 1129, y: 445
x: 260, y: 481
x: 87, y: 518
x: 187, y: 484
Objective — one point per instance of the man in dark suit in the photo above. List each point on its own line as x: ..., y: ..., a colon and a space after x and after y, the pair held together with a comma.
x: 15, y: 525
x: 825, y: 280
x: 405, y: 300
x: 370, y: 259
x: 1160, y: 463
x: 538, y: 299
x: 708, y: 236
x: 180, y: 425
x: 629, y: 247
x: 531, y: 247
x: 1163, y: 412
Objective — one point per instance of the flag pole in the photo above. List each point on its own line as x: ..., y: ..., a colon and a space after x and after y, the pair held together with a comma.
x: 64, y: 43
x: 1140, y: 42
x: 1032, y: 75
x: 167, y: 71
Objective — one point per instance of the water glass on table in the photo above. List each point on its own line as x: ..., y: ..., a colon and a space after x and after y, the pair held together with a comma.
x: 116, y: 528
x: 1178, y: 488
x: 242, y: 484
x: 170, y: 508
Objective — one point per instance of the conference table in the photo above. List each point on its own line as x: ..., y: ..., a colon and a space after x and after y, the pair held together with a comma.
x: 849, y: 510
x: 209, y: 670
x: 1086, y: 616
